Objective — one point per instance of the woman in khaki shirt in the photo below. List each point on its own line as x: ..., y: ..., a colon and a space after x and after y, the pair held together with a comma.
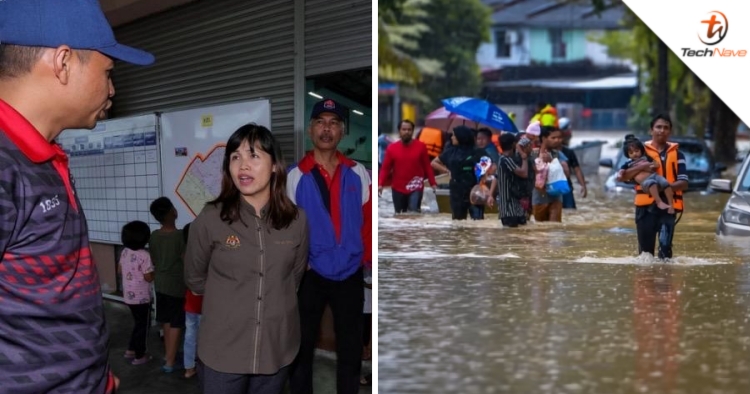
x: 246, y: 253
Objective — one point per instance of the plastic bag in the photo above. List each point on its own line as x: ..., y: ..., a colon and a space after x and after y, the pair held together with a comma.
x: 541, y: 173
x: 479, y: 194
x: 557, y: 182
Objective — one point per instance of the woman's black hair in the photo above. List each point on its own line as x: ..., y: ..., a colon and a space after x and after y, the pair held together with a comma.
x: 632, y: 142
x: 464, y: 135
x: 135, y: 235
x: 282, y: 210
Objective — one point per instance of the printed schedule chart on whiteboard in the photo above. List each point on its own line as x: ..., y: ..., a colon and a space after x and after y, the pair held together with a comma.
x: 115, y: 168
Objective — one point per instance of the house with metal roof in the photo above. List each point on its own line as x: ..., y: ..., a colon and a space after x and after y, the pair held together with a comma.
x: 542, y: 50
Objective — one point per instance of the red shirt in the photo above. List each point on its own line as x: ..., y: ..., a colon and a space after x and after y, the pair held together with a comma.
x: 410, y: 165
x: 193, y: 303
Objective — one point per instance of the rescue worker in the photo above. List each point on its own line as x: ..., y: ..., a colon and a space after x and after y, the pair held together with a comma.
x: 432, y: 138
x: 459, y: 162
x: 651, y: 221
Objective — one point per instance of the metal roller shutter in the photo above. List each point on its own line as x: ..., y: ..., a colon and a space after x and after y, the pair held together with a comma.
x: 338, y: 35
x: 213, y: 52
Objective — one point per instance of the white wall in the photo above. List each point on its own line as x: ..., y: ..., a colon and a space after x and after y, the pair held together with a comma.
x: 519, y: 54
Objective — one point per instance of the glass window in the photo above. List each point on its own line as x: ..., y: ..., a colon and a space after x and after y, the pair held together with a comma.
x: 744, y: 181
x: 502, y: 48
x: 558, y: 45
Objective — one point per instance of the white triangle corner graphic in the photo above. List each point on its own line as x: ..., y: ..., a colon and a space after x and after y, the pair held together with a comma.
x: 711, y: 38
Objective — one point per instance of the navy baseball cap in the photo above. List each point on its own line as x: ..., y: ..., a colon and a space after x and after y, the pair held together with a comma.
x: 80, y: 24
x: 328, y: 105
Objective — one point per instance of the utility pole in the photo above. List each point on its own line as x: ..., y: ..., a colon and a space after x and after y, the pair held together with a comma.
x: 661, y: 95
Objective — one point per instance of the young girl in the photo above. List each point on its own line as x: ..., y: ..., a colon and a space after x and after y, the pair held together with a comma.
x: 651, y: 182
x: 137, y: 275
x: 193, y: 305
x: 481, y: 193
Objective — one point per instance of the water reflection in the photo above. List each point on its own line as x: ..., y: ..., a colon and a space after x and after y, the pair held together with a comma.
x: 472, y: 307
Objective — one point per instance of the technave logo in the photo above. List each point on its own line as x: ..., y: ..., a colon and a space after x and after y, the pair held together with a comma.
x: 713, y: 28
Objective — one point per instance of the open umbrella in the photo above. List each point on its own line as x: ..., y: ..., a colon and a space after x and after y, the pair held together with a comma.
x: 445, y: 120
x: 480, y: 111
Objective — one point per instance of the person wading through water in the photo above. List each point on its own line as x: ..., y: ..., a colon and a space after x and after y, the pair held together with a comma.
x: 459, y: 161
x: 651, y: 221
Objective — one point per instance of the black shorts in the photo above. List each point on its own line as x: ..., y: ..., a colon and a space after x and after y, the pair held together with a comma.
x: 170, y: 310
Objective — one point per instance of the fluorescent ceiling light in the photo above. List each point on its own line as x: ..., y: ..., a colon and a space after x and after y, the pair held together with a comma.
x: 358, y: 112
x: 315, y: 95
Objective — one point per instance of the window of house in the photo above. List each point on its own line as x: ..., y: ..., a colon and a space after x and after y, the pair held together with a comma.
x: 502, y: 48
x: 558, y: 45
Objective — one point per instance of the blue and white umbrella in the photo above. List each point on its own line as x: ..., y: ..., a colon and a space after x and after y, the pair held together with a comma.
x: 481, y: 111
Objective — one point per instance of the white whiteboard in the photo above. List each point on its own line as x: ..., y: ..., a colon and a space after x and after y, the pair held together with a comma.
x: 115, y: 168
x: 192, y: 151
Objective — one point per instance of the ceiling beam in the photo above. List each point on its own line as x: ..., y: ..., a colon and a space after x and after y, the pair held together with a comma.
x: 120, y: 12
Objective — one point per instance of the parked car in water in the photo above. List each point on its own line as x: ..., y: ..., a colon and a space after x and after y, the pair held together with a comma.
x: 735, y: 217
x: 701, y: 166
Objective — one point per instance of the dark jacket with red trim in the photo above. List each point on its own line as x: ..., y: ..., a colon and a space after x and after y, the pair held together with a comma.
x: 53, y: 336
x: 339, y: 216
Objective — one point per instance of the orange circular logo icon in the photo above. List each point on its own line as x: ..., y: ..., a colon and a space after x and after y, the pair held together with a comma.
x: 713, y: 28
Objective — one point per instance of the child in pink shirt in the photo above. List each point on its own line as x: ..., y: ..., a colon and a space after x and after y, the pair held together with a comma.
x: 137, y: 275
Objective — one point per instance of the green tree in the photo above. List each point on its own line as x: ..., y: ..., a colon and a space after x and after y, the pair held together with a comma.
x: 400, y: 25
x: 694, y: 108
x: 457, y: 28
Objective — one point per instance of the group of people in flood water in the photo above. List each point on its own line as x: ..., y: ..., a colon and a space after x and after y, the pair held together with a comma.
x: 529, y: 174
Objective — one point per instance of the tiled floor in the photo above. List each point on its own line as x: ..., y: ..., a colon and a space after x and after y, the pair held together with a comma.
x: 149, y: 379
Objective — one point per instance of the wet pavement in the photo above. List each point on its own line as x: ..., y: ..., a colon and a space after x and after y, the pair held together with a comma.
x: 149, y: 378
x: 472, y: 307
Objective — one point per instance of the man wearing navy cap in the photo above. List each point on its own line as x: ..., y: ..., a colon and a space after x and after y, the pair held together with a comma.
x: 56, y: 58
x: 336, y: 194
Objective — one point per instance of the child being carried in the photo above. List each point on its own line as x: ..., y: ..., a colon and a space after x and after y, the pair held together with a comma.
x: 650, y: 182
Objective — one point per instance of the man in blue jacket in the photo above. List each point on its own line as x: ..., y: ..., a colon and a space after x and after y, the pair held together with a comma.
x: 336, y: 194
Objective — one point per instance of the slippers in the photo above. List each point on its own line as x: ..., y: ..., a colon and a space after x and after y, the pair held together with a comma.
x: 365, y: 380
x: 138, y: 361
x: 190, y: 372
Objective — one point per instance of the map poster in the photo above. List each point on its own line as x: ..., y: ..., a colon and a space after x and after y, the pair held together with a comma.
x: 201, y: 181
x: 192, y: 150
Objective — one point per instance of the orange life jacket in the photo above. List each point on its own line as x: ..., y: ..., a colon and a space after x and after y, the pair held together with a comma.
x: 433, y: 140
x: 496, y: 141
x: 668, y: 170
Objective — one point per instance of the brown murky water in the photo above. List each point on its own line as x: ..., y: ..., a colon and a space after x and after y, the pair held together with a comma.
x: 471, y: 307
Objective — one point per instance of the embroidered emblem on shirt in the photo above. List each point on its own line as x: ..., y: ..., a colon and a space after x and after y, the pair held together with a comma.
x: 233, y: 242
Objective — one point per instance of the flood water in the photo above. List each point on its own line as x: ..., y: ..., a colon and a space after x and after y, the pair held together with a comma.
x: 472, y: 307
